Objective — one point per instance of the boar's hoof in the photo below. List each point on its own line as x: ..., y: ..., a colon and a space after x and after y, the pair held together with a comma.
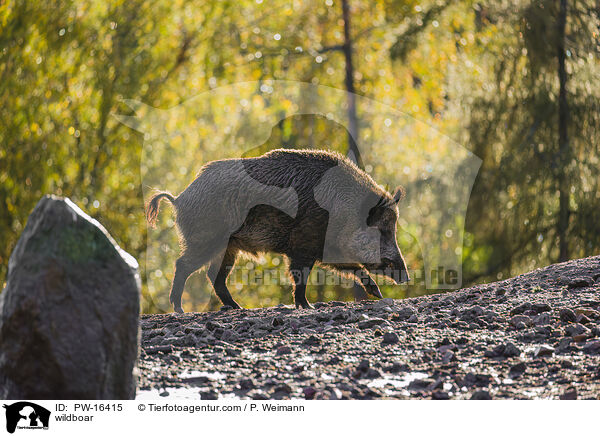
x: 230, y: 307
x: 374, y: 291
x: 178, y: 309
x: 305, y: 305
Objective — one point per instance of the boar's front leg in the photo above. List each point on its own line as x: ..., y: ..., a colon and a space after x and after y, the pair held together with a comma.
x: 370, y: 286
x: 217, y: 274
x: 359, y: 292
x: 363, y: 280
x: 300, y: 270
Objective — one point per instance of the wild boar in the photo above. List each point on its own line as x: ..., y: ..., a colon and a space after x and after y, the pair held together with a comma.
x: 312, y: 206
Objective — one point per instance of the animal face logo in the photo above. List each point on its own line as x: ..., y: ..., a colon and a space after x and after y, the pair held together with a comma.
x: 26, y: 415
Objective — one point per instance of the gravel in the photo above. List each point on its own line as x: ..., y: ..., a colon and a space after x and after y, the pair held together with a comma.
x: 532, y: 336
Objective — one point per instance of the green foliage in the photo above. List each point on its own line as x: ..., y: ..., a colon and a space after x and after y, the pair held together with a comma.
x: 483, y: 73
x: 513, y: 119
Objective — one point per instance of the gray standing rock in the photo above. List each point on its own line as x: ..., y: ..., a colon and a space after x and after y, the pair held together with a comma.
x: 69, y: 313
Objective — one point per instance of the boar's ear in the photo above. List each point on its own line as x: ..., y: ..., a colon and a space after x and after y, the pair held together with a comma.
x: 399, y: 194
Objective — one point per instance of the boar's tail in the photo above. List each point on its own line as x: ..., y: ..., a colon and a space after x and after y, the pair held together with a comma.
x: 154, y: 205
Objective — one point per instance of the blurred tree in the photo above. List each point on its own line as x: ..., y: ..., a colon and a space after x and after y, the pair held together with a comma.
x: 535, y: 124
x: 516, y: 81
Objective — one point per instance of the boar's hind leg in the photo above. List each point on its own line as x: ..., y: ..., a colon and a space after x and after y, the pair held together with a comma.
x: 300, y: 270
x: 184, y: 267
x: 217, y: 274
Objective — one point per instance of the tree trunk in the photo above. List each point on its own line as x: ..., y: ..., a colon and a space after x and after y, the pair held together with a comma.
x: 351, y: 97
x: 358, y: 291
x: 564, y: 151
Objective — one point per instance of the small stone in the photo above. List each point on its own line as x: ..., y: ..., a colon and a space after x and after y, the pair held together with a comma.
x: 212, y: 325
x: 309, y: 392
x: 440, y: 395
x: 259, y: 395
x: 517, y: 370
x: 520, y: 309
x: 592, y: 347
x: 581, y: 318
x: 233, y: 352
x: 510, y: 350
x: 569, y: 394
x: 443, y: 348
x: 364, y: 365
x: 475, y: 311
x: 448, y: 356
x: 390, y: 338
x: 334, y: 393
x: 312, y: 341
x: 282, y: 387
x: 567, y: 364
x: 230, y: 336
x: 397, y: 367
x: 503, y: 350
x: 413, y: 318
x: 581, y: 282
x: 247, y: 384
x: 159, y: 349
x: 543, y: 350
x: 481, y: 395
x: 564, y: 344
x: 278, y: 321
x: 576, y: 329
x: 541, y: 307
x: 385, y: 302
x: 284, y: 349
x: 462, y: 340
x: 209, y: 395
x: 480, y: 380
x: 567, y: 315
x: 491, y: 353
x: 373, y: 373
x: 420, y: 384
x: 542, y: 319
x: 520, y: 321
x: 590, y: 313
x: 371, y: 322
x: 405, y: 312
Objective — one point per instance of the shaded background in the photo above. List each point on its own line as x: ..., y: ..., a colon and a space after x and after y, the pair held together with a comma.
x: 515, y: 82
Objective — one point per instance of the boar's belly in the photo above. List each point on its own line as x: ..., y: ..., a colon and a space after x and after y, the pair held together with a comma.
x: 265, y: 228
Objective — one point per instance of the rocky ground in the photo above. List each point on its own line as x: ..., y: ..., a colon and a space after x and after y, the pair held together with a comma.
x: 533, y: 336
